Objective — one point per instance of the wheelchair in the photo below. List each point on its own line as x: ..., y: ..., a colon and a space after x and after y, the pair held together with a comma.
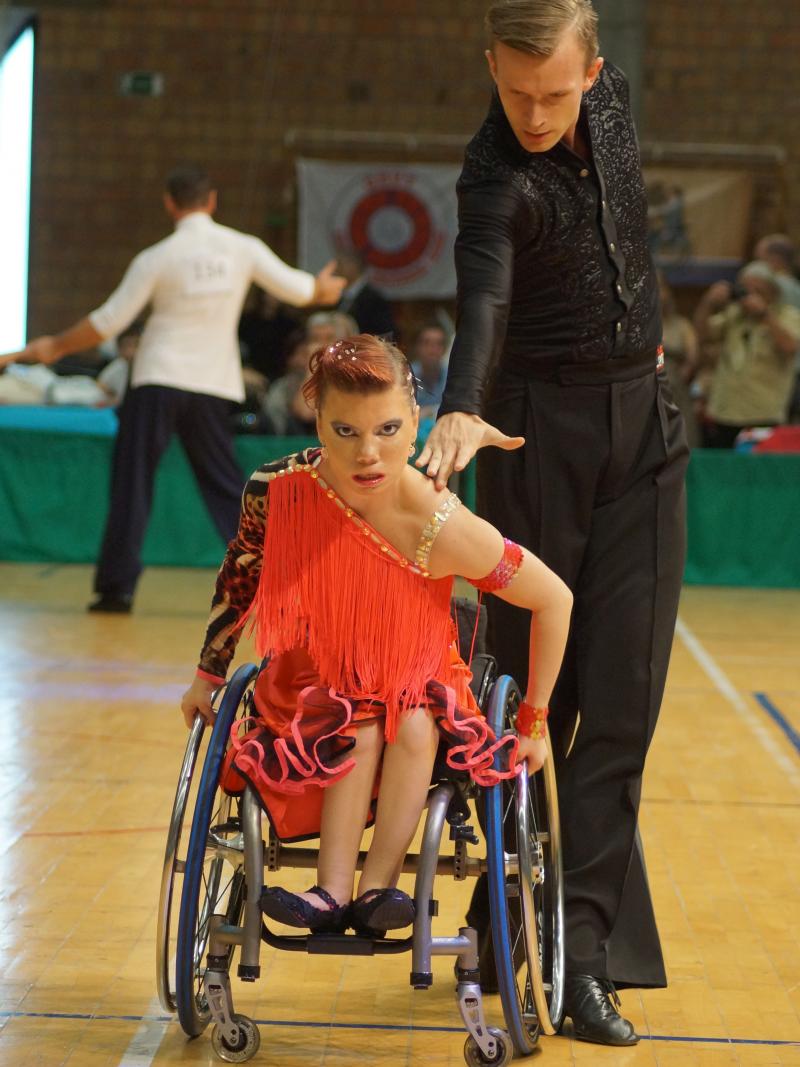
x: 210, y: 889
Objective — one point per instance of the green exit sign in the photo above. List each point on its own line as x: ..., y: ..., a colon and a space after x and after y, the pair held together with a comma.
x: 141, y: 83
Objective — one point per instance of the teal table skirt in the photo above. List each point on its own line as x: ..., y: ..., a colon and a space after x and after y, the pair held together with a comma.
x: 744, y: 510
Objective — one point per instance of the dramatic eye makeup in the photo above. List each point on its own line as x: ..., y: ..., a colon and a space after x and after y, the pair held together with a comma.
x: 386, y: 429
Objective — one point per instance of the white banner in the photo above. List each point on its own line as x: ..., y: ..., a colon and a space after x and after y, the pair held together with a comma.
x: 402, y: 217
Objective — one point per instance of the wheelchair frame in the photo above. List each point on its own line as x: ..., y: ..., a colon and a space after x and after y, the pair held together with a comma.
x: 523, y: 865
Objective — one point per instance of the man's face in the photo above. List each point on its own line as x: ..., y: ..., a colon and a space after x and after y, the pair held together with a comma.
x: 541, y: 95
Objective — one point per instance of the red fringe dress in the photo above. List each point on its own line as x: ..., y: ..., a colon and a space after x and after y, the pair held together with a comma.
x: 354, y: 632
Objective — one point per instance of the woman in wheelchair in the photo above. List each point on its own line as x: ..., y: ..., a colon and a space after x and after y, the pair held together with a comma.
x: 344, y: 564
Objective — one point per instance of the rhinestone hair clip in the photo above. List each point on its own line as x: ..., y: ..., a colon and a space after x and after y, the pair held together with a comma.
x: 340, y: 349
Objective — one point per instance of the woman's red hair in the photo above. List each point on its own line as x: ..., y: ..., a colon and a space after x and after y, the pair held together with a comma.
x: 360, y: 364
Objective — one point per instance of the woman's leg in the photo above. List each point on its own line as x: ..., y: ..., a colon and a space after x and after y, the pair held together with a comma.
x: 345, y: 808
x: 405, y: 779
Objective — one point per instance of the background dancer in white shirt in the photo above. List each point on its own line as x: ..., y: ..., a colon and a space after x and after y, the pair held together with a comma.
x: 187, y: 370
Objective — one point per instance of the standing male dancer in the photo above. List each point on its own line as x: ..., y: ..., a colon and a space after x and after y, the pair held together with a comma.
x: 187, y: 371
x: 558, y: 336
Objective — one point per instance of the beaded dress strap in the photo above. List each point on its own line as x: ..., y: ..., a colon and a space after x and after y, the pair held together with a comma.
x: 432, y: 528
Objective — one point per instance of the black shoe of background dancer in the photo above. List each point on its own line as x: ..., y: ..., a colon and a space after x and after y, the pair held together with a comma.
x: 111, y: 604
x: 592, y: 1005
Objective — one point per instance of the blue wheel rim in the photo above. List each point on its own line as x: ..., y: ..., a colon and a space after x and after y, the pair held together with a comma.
x: 188, y: 1015
x: 524, y: 1040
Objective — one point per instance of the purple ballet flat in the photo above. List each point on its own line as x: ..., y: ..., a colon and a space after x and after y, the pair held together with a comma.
x: 293, y: 910
x: 379, y: 910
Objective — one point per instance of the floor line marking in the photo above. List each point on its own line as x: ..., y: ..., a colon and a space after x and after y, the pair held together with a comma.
x: 779, y: 718
x: 164, y: 1020
x: 96, y: 833
x: 146, y: 1042
x: 737, y: 702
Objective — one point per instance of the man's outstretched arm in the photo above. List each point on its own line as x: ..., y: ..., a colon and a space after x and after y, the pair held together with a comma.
x: 50, y: 349
x: 491, y: 218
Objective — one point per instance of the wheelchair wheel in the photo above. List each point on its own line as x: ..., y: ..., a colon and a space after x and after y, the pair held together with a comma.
x: 525, y: 890
x: 213, y: 876
x: 172, y: 874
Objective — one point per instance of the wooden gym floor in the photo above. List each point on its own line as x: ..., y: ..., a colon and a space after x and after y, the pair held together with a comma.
x: 92, y: 741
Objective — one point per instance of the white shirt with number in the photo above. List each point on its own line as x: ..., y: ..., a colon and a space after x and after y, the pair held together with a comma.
x: 196, y: 281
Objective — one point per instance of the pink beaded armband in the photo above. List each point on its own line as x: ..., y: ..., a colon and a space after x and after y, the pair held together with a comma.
x: 504, y: 572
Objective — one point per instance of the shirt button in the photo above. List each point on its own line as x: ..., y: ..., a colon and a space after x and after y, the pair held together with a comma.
x: 619, y: 327
x: 584, y: 173
x: 612, y: 247
x: 619, y: 289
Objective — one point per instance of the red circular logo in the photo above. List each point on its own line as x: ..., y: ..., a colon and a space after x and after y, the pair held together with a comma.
x: 392, y: 226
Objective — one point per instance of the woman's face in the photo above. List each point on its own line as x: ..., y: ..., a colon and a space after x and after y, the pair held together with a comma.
x: 368, y: 437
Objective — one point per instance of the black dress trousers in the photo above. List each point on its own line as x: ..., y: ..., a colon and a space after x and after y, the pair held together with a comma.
x: 597, y: 492
x: 148, y: 418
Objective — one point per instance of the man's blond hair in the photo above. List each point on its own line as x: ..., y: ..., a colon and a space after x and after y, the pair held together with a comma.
x: 537, y: 26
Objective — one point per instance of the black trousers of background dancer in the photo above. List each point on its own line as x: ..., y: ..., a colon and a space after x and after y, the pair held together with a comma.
x: 597, y: 492
x: 148, y: 418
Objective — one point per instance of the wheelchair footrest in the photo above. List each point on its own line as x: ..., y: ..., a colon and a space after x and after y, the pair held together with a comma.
x: 340, y: 945
x: 354, y: 945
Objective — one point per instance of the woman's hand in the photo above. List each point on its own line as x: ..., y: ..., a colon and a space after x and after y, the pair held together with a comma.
x: 533, y: 751
x: 197, y: 701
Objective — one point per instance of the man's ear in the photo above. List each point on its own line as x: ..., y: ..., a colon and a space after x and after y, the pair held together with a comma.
x: 492, y: 64
x: 592, y: 73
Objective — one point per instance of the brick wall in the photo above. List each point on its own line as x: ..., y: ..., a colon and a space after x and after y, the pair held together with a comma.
x: 239, y: 73
x: 725, y: 72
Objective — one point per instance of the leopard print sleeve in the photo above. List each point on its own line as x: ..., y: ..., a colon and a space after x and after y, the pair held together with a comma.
x: 237, y: 580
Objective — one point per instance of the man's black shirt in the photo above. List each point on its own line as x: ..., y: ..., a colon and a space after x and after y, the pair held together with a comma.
x: 552, y: 258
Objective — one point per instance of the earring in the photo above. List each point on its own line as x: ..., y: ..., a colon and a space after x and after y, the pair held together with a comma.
x: 412, y: 449
x: 324, y: 452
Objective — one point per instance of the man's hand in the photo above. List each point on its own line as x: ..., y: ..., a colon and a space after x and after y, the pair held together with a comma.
x: 533, y: 752
x: 329, y: 286
x: 453, y: 442
x: 197, y: 701
x: 40, y: 350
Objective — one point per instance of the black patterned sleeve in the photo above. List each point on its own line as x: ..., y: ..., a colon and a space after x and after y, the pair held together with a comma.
x: 237, y: 580
x: 493, y: 218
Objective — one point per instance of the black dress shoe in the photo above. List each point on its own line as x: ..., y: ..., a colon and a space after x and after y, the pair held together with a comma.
x: 112, y: 604
x: 592, y: 1005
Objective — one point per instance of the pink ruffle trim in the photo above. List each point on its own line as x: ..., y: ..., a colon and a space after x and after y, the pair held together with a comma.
x: 301, y: 765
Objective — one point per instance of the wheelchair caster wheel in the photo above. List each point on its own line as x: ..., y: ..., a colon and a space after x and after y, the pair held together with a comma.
x: 247, y: 1045
x: 505, y: 1050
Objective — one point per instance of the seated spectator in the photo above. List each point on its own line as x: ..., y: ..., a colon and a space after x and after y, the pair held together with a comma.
x: 323, y: 329
x: 277, y: 403
x: 680, y: 357
x: 362, y: 301
x: 758, y: 334
x: 265, y: 330
x: 428, y: 360
x: 114, y: 378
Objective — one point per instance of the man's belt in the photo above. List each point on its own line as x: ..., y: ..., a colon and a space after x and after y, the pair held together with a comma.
x: 594, y: 372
